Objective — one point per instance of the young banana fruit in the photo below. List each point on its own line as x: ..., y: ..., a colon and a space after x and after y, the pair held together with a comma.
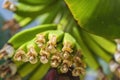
x: 55, y: 47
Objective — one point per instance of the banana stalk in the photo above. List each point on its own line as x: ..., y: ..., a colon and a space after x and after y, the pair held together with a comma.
x: 90, y: 60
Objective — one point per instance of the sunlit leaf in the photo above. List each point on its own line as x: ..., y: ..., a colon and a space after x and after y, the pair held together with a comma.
x: 101, y: 17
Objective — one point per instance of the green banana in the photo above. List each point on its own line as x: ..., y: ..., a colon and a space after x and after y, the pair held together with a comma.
x: 37, y: 12
x: 18, y: 18
x: 30, y: 8
x: 95, y: 48
x: 69, y: 39
x: 58, y: 34
x: 18, y: 63
x: 68, y: 45
x: 32, y: 52
x: 54, y: 37
x: 41, y: 38
x: 20, y: 54
x: 27, y: 69
x: 39, y: 2
x: 40, y: 73
x: 90, y: 60
x: 32, y: 14
x: 23, y: 21
x: 27, y: 35
x: 104, y: 43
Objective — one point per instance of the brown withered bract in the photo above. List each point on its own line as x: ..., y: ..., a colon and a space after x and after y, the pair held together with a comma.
x: 12, y: 25
x: 53, y: 74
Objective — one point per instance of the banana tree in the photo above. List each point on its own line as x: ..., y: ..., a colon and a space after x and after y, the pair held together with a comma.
x: 71, y: 36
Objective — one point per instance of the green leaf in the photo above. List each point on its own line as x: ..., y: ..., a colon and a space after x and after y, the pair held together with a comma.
x: 101, y: 17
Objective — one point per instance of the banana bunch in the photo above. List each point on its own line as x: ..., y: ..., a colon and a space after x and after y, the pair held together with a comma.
x: 16, y: 41
x: 26, y: 13
x: 58, y: 50
x: 54, y: 48
x: 44, y: 45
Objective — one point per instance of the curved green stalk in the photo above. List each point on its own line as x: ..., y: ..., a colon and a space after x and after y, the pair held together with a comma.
x: 90, y: 60
x: 104, y: 43
x: 96, y: 48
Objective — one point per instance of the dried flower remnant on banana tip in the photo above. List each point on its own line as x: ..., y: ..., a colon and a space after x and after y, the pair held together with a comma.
x: 7, y: 51
x: 115, y: 68
x: 40, y: 40
x: 32, y: 55
x: 117, y: 53
x: 44, y: 56
x: 14, y: 77
x: 55, y: 60
x: 8, y: 68
x: 67, y: 50
x: 51, y: 44
x: 78, y: 64
x: 12, y: 25
x: 7, y: 4
x: 101, y: 75
x: 20, y: 55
